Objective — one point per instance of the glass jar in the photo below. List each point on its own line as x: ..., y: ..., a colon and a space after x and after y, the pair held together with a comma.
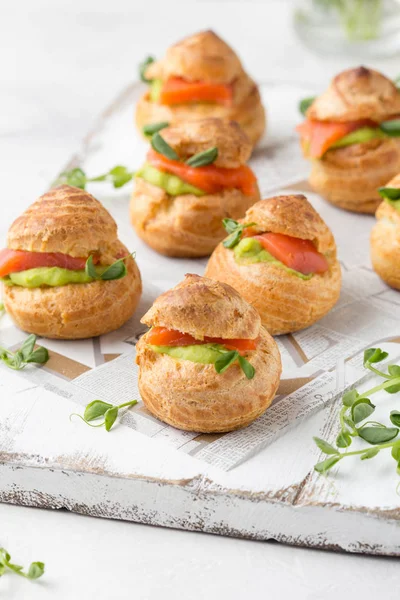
x: 356, y: 28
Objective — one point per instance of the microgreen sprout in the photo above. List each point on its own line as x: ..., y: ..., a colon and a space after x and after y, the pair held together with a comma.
x: 98, y: 409
x: 76, y: 177
x: 235, y: 229
x: 36, y: 569
x: 24, y: 355
x: 353, y: 415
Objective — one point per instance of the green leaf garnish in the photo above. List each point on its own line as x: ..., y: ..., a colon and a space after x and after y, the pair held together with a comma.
x: 361, y: 410
x: 115, y: 271
x: 350, y: 397
x: 75, y: 177
x: 97, y: 409
x: 160, y: 145
x: 110, y: 417
x: 118, y: 176
x: 394, y: 370
x: 228, y: 358
x: 305, y: 104
x: 24, y: 355
x: 36, y: 569
x: 343, y: 440
x: 395, y: 417
x: 377, y: 434
x: 152, y: 128
x: 246, y: 367
x: 389, y: 193
x: 324, y: 466
x: 370, y: 453
x: 324, y: 446
x: 356, y: 408
x: 143, y: 66
x: 235, y: 230
x: 396, y: 450
x: 203, y: 158
x: 374, y: 355
x: 391, y: 127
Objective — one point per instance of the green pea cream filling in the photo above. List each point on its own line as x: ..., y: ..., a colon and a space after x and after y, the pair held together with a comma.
x: 48, y: 276
x: 360, y: 136
x: 206, y: 354
x: 249, y: 251
x: 173, y: 185
x: 155, y: 89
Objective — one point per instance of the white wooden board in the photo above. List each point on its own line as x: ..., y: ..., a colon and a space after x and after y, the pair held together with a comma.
x: 258, y: 483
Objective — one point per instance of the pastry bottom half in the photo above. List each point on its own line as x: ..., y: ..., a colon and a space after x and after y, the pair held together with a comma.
x: 184, y: 226
x: 194, y: 397
x: 75, y: 311
x: 385, y: 251
x: 285, y: 302
x: 349, y: 177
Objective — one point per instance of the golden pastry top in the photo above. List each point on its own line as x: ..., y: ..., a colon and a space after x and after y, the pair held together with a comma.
x: 190, y: 137
x: 67, y: 220
x: 200, y: 57
x: 386, y: 210
x: 203, y: 307
x: 291, y: 215
x: 358, y: 93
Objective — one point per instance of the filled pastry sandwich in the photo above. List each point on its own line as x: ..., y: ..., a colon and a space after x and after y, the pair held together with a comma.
x: 206, y: 364
x: 282, y: 258
x: 199, y: 77
x: 385, y: 235
x: 195, y: 175
x: 65, y: 273
x: 350, y: 137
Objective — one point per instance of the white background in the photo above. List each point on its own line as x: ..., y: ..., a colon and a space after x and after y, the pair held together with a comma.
x: 61, y: 63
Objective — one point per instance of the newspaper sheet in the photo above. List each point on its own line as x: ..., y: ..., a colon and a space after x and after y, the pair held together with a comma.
x: 318, y: 363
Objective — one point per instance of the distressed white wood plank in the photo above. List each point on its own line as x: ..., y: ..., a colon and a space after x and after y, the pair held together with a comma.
x: 275, y: 494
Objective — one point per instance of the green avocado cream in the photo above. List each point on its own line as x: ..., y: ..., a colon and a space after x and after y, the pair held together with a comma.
x: 206, y: 354
x: 173, y: 185
x: 250, y: 251
x: 47, y: 276
x: 365, y: 134
x: 155, y: 89
x: 394, y: 203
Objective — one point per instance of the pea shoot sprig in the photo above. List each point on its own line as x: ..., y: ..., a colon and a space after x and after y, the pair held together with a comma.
x: 77, y: 177
x: 115, y: 271
x: 98, y: 409
x: 353, y: 414
x: 391, y: 195
x: 201, y: 159
x: 36, y: 569
x: 24, y: 355
x: 143, y: 66
x: 228, y: 358
x: 235, y: 231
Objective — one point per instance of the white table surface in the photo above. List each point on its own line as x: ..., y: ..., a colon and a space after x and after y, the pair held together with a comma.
x: 62, y: 63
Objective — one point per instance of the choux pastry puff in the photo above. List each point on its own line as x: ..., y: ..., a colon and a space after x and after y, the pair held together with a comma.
x: 282, y: 258
x: 385, y: 235
x: 349, y: 136
x: 200, y: 77
x: 65, y: 273
x: 195, y: 175
x: 207, y: 364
